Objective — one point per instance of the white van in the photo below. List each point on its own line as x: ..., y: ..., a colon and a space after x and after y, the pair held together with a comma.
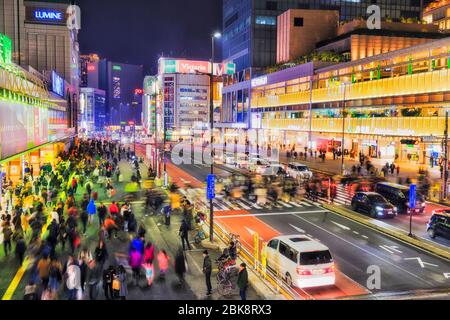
x: 301, y: 261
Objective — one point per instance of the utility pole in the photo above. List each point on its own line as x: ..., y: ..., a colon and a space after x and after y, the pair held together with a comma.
x: 445, y: 171
x: 343, y: 132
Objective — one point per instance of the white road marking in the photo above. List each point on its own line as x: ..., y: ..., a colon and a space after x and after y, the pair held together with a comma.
x: 447, y: 275
x: 243, y: 205
x: 268, y: 214
x: 250, y: 231
x: 341, y: 226
x: 394, y: 248
x: 229, y: 204
x: 422, y: 263
x: 297, y: 228
x: 365, y: 237
x: 285, y: 204
x: 385, y: 248
x: 366, y: 251
x: 355, y: 232
x: 296, y: 204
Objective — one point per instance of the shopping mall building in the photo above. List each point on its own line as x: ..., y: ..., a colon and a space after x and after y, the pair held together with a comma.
x: 36, y: 119
x: 390, y: 105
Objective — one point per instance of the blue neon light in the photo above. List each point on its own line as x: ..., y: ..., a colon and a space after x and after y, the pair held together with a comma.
x: 48, y: 15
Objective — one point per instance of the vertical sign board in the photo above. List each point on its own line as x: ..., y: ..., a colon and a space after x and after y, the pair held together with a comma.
x: 5, y: 49
x: 412, y: 196
x: 210, y: 187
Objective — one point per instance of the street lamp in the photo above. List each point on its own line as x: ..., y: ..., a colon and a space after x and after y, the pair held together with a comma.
x: 216, y: 35
x: 343, y: 130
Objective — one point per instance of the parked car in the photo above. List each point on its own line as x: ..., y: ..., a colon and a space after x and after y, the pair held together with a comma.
x: 301, y: 261
x: 373, y: 204
x: 439, y: 224
x: 299, y: 171
x: 398, y: 195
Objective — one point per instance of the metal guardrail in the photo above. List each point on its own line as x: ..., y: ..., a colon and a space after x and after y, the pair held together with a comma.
x: 270, y: 278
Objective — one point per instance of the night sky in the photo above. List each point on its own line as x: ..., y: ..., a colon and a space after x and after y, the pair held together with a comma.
x: 139, y: 31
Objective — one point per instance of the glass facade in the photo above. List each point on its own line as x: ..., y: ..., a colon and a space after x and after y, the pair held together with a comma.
x: 249, y: 26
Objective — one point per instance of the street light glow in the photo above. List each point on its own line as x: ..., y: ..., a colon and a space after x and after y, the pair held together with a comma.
x: 217, y: 35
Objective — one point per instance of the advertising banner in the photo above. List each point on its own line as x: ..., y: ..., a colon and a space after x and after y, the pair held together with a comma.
x: 22, y: 127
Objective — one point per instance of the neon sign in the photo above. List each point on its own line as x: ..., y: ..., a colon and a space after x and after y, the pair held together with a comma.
x: 48, y: 15
x: 5, y: 49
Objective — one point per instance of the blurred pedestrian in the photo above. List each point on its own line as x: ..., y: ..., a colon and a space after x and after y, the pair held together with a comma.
x: 163, y: 263
x: 184, y: 234
x: 180, y: 265
x: 242, y: 281
x: 122, y: 277
x: 207, y: 270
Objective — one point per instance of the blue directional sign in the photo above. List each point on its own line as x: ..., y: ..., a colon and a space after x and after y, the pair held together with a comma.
x: 210, y: 187
x: 412, y: 196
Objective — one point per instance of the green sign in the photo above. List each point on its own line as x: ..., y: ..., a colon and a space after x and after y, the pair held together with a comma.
x: 230, y: 68
x: 117, y: 68
x: 5, y: 49
x: 170, y: 66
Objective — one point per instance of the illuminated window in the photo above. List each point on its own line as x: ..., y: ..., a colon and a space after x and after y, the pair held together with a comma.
x: 266, y: 20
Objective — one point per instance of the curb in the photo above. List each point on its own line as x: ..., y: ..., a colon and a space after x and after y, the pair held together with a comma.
x: 402, y: 236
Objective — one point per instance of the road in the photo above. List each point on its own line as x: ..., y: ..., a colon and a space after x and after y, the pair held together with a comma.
x: 355, y: 247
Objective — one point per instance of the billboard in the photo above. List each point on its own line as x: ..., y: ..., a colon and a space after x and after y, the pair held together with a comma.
x: 22, y: 127
x: 5, y: 49
x: 46, y: 15
x: 57, y: 84
x: 193, y: 66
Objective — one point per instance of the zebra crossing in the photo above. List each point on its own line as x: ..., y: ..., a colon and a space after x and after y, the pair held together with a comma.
x: 222, y: 204
x: 343, y: 197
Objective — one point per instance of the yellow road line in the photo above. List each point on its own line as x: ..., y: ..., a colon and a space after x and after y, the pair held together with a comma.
x: 19, y: 274
x: 15, y: 282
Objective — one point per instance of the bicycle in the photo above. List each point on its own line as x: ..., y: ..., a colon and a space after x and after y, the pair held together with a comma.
x: 225, y: 286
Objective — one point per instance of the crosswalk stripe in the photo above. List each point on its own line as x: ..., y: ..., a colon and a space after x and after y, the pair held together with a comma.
x: 219, y: 207
x: 243, y: 205
x: 285, y: 204
x: 224, y: 205
x: 229, y: 204
x: 296, y: 204
x: 254, y: 205
x: 307, y: 203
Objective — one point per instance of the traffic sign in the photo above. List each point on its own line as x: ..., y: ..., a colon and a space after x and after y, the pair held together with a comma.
x: 210, y: 187
x: 412, y: 196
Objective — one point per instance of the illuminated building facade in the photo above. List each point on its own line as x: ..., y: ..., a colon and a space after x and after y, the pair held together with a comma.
x: 185, y: 95
x: 35, y: 122
x: 394, y: 105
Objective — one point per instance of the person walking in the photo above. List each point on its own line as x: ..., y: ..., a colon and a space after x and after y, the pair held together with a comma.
x: 108, y: 277
x: 7, y: 233
x: 94, y: 277
x: 91, y: 210
x: 73, y: 279
x: 122, y: 277
x: 55, y: 276
x: 180, y: 265
x: 101, y: 254
x: 43, y: 268
x: 163, y: 263
x: 135, y: 264
x: 184, y: 234
x: 207, y: 270
x: 242, y: 281
x: 21, y: 248
x: 84, y: 216
x: 101, y: 211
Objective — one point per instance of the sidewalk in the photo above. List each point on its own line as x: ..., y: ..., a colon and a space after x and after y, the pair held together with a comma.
x: 334, y: 166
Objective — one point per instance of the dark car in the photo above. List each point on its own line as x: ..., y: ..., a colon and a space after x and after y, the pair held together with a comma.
x: 439, y: 224
x: 398, y: 196
x: 373, y: 204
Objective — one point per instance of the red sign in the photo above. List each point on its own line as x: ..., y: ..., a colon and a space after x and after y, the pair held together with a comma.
x: 91, y: 68
x: 185, y: 66
x: 138, y: 91
x: 131, y: 123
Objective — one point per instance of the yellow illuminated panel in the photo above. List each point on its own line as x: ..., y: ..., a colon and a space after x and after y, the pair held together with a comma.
x: 399, y: 126
x: 427, y: 82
